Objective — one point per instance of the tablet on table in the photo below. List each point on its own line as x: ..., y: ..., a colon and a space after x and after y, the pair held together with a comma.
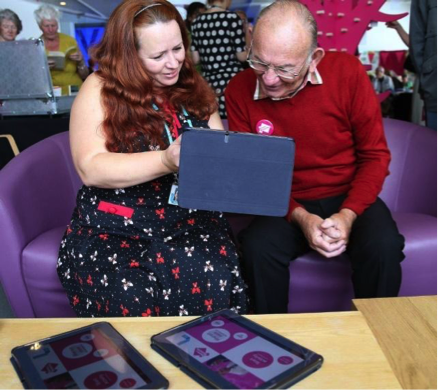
x: 226, y: 350
x: 92, y: 357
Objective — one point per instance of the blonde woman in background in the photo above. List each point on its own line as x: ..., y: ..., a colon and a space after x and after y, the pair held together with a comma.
x: 75, y: 70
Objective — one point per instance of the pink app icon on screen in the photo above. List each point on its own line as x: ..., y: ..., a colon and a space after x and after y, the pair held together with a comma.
x: 100, y: 380
x: 258, y: 359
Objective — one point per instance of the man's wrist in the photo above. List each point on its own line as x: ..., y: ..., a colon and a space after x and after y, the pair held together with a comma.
x: 298, y: 214
x: 349, y: 214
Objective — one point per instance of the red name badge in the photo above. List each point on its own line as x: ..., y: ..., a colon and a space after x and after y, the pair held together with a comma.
x: 116, y: 209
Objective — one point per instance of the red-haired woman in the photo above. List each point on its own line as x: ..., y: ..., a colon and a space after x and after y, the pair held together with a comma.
x: 127, y: 251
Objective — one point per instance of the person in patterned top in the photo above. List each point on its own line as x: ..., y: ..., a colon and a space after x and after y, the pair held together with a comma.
x: 129, y: 249
x: 219, y: 45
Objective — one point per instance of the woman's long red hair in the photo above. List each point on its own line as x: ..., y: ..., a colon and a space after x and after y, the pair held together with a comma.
x: 127, y: 90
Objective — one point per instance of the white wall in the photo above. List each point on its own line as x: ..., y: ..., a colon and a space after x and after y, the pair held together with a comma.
x: 384, y: 38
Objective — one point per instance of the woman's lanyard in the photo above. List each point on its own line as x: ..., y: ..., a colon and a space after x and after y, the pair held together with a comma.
x: 166, y: 127
x: 186, y: 115
x: 173, y: 196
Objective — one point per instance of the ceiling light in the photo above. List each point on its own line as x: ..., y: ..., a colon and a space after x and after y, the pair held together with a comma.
x: 62, y: 3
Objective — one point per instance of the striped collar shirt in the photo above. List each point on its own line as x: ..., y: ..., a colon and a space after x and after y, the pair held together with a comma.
x: 312, y: 78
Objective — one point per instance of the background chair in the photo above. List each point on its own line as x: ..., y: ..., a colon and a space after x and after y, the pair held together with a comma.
x: 37, y: 196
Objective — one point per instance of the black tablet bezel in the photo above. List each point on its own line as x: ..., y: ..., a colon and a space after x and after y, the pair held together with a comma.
x: 30, y: 378
x: 312, y: 361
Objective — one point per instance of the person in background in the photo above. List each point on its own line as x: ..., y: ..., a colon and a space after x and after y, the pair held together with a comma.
x: 247, y: 27
x: 416, y: 101
x: 404, y: 36
x: 407, y: 81
x: 218, y: 44
x: 295, y: 89
x: 193, y: 11
x: 382, y: 82
x: 129, y: 249
x: 75, y: 70
x: 396, y: 80
x: 423, y: 46
x: 10, y: 25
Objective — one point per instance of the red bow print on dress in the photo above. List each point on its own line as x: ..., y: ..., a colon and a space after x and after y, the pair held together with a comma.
x: 209, y: 304
x: 160, y: 213
x: 195, y: 289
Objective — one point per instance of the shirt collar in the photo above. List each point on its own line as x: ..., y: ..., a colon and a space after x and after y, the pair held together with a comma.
x: 312, y: 78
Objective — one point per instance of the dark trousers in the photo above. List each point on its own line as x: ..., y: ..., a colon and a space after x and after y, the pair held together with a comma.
x: 375, y: 250
x: 431, y: 120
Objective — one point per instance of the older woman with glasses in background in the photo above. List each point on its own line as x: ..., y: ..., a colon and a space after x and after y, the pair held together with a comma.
x: 75, y: 70
x: 10, y: 25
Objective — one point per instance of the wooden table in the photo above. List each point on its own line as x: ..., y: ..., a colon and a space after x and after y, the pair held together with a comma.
x: 353, y: 358
x: 406, y: 331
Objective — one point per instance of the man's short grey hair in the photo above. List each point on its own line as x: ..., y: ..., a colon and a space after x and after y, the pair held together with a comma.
x: 46, y: 12
x: 300, y: 10
x: 7, y: 14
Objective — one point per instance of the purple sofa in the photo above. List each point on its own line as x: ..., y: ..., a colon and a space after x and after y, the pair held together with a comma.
x: 37, y: 196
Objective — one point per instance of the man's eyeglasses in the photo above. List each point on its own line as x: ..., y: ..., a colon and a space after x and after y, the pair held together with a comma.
x: 280, y: 71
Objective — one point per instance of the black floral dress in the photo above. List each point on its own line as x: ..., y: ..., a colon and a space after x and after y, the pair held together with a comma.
x: 127, y: 252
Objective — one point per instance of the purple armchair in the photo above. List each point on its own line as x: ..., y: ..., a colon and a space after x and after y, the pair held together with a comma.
x: 37, y: 196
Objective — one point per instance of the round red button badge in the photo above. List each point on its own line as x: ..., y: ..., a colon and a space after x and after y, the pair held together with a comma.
x: 264, y: 127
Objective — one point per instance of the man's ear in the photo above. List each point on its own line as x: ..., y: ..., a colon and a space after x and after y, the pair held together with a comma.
x: 317, y: 56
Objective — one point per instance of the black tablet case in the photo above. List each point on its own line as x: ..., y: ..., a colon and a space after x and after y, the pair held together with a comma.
x: 206, y: 384
x: 26, y: 370
x: 235, y: 172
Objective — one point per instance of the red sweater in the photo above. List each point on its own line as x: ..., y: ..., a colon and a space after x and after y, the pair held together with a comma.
x: 337, y: 126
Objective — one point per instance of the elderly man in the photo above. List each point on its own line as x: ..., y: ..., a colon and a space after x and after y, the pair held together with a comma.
x: 327, y: 104
x: 382, y: 82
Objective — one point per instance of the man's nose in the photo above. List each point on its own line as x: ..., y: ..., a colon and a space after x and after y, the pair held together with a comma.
x: 270, y: 77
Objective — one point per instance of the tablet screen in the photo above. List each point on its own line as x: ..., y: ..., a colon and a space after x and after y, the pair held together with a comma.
x: 85, y: 360
x: 237, y: 354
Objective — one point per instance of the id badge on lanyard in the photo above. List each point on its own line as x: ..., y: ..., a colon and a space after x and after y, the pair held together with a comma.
x: 173, y: 196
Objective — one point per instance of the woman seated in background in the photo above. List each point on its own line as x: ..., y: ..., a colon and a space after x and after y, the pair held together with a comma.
x: 10, y: 25
x: 218, y: 43
x: 75, y: 69
x: 129, y: 249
